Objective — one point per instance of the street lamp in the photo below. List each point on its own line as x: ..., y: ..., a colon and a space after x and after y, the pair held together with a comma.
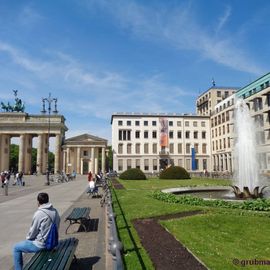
x: 49, y: 101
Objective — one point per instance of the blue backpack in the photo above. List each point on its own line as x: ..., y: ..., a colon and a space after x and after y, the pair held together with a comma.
x: 52, y: 239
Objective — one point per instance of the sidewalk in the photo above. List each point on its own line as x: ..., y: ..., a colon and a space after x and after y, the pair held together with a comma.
x: 18, y: 208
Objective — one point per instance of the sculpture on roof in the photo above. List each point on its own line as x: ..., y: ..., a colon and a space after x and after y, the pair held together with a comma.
x: 17, y: 107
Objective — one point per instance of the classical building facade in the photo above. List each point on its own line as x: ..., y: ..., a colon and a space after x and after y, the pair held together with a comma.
x: 153, y: 141
x: 84, y: 153
x: 26, y: 127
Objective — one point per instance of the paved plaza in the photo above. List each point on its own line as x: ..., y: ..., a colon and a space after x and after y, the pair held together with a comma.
x: 19, y: 206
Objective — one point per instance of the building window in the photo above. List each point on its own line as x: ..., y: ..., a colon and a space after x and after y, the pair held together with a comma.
x: 195, y: 123
x: 196, y: 148
x: 179, y: 123
x: 204, y: 148
x: 128, y: 123
x: 146, y: 164
x: 128, y: 163
x: 180, y: 148
x: 155, y: 165
x: 120, y: 123
x: 120, y: 148
x: 85, y: 153
x: 204, y: 164
x: 145, y: 134
x: 195, y: 134
x: 154, y: 134
x: 129, y: 148
x: 154, y: 123
x: 180, y: 162
x: 224, y: 143
x: 137, y: 134
x: 120, y: 164
x: 187, y: 134
x: 124, y: 135
x: 188, y: 164
x: 137, y: 148
x: 188, y: 148
x: 137, y: 123
x: 171, y: 148
x: 171, y: 134
x: 170, y: 123
x: 186, y: 124
x: 204, y: 134
x: 138, y: 164
x: 179, y: 134
x: 146, y: 150
x: 228, y: 128
x: 213, y: 146
x: 154, y: 148
x: 145, y: 123
x: 218, y: 94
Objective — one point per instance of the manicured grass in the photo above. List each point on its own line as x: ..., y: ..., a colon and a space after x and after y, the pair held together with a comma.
x: 156, y: 184
x: 218, y: 238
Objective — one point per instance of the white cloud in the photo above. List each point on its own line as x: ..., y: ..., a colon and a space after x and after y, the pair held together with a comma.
x: 177, y: 27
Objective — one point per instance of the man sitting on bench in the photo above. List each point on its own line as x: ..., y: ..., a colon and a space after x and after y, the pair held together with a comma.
x: 38, y: 233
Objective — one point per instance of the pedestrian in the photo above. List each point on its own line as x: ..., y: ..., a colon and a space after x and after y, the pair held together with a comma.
x: 36, y: 238
x: 90, y: 176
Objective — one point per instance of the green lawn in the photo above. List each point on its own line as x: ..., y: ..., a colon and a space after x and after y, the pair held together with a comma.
x: 156, y: 184
x: 218, y: 238
x: 238, y: 230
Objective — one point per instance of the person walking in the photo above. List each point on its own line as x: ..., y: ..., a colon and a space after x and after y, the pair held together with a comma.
x: 39, y: 231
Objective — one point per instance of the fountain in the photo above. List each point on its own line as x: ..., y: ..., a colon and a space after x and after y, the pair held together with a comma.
x: 246, y: 176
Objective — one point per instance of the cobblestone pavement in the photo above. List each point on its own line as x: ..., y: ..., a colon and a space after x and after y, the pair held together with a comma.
x: 19, y: 206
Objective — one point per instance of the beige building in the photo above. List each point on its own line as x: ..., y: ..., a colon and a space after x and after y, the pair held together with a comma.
x: 26, y: 127
x: 207, y: 101
x: 153, y: 141
x: 222, y: 135
x: 84, y: 153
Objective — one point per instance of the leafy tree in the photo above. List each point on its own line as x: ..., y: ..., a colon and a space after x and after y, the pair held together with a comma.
x: 109, y: 158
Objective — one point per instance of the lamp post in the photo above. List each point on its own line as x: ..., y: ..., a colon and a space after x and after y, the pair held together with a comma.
x: 49, y: 100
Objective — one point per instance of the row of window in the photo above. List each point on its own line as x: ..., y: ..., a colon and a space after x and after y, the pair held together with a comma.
x: 221, y: 144
x: 152, y: 165
x: 220, y: 119
x: 217, y: 131
x: 255, y: 90
x: 172, y: 148
x: 154, y: 123
x: 125, y: 135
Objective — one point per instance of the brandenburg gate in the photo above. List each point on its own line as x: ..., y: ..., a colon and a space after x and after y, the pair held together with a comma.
x: 26, y: 127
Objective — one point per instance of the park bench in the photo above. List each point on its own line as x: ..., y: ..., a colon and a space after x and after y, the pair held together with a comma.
x: 58, y: 258
x: 78, y: 215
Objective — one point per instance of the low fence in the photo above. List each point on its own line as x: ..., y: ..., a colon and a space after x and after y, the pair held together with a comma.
x: 115, y: 246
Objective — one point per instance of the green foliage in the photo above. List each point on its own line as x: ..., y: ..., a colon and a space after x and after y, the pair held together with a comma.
x: 174, y: 172
x: 14, y: 157
x: 109, y: 159
x: 132, y: 174
x: 254, y: 205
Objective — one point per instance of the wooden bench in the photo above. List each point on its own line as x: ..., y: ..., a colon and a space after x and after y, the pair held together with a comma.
x: 59, y: 258
x: 78, y: 215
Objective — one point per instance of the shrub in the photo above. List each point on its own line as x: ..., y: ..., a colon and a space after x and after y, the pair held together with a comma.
x: 174, y: 172
x: 132, y: 174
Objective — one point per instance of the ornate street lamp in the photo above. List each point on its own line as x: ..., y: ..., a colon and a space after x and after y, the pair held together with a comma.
x: 49, y: 101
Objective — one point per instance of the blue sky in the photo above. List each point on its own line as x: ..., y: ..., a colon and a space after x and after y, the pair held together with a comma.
x: 98, y: 57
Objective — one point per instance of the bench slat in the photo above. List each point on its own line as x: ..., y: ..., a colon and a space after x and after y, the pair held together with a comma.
x: 62, y: 256
x: 78, y: 213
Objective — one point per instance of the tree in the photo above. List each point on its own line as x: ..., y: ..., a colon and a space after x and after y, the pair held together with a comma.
x: 109, y: 158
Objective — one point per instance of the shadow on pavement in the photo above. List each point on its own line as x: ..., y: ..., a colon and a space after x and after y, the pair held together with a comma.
x: 84, y: 263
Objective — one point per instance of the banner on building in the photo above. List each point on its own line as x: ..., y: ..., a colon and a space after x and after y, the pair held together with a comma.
x: 193, y: 161
x: 163, y: 122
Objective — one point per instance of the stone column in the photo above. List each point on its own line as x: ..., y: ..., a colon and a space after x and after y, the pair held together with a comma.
x: 21, y: 166
x: 57, y: 153
x: 28, y: 154
x: 92, y: 167
x: 40, y: 154
x: 78, y: 163
x: 64, y: 160
x: 5, y: 145
x: 103, y: 159
x: 68, y: 160
x: 96, y: 160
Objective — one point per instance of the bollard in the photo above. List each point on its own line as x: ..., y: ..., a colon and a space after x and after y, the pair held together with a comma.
x: 6, y: 189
